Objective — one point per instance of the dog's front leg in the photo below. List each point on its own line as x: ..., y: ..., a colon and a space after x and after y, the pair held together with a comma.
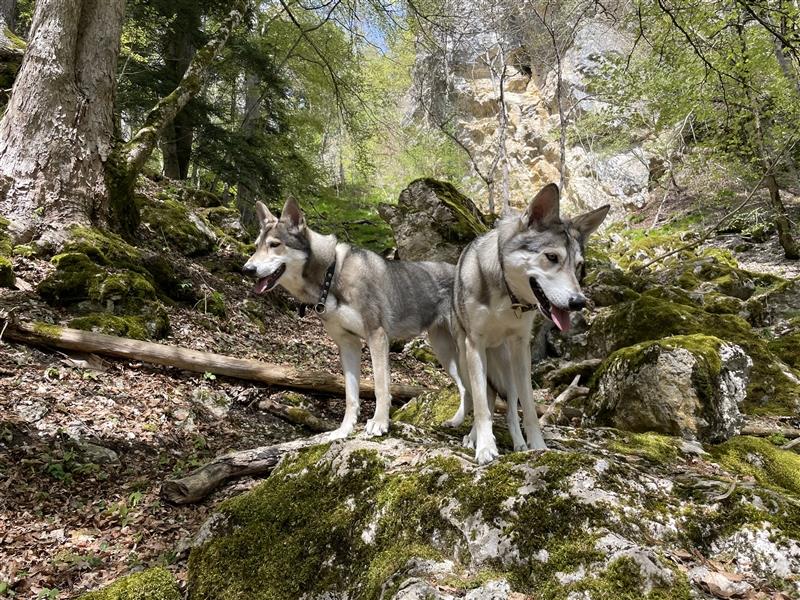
x: 350, y: 356
x: 512, y: 414
x: 379, y: 352
x: 521, y: 351
x: 485, y: 446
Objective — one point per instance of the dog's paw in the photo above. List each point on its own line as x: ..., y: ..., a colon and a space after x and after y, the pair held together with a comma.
x: 487, y: 454
x: 454, y: 423
x: 520, y: 446
x: 340, y: 433
x: 536, y: 442
x: 469, y: 440
x: 376, y: 428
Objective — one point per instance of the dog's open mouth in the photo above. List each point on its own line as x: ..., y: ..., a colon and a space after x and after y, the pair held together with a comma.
x: 265, y: 284
x: 559, y: 316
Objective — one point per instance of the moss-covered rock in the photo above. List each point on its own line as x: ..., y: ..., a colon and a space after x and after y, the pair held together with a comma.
x: 369, y: 519
x: 688, y: 386
x: 760, y: 459
x: 432, y: 220
x: 787, y: 347
x: 154, y: 325
x: 153, y: 584
x: 7, y: 278
x: 429, y: 410
x: 347, y: 518
x: 773, y: 388
x: 75, y: 275
x: 178, y: 226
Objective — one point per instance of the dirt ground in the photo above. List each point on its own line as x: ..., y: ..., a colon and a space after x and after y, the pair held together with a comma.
x: 74, y: 517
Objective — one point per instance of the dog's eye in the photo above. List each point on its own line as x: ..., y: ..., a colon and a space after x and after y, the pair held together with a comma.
x: 274, y: 244
x: 553, y: 258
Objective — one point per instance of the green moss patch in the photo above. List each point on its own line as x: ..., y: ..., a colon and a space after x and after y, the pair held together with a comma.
x: 155, y: 326
x: 787, y: 347
x: 654, y: 447
x: 647, y: 318
x: 75, y: 275
x: 7, y: 278
x: 758, y: 458
x: 172, y: 222
x: 154, y: 584
x: 430, y: 410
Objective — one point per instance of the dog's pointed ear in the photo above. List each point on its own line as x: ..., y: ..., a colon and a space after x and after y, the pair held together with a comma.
x: 543, y: 209
x: 263, y: 213
x: 587, y: 223
x: 292, y: 215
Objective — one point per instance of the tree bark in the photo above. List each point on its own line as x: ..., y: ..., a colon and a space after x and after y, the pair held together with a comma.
x: 176, y: 144
x: 55, y: 137
x: 782, y: 223
x: 193, y: 360
x: 8, y: 12
x: 248, y: 188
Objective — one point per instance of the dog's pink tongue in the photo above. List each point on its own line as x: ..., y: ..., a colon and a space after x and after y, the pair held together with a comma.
x: 560, y: 318
x: 261, y: 285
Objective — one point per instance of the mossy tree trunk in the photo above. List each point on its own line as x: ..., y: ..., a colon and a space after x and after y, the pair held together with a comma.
x: 56, y: 135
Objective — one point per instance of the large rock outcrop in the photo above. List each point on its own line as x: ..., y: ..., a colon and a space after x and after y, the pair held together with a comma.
x: 687, y: 386
x: 454, y: 84
x: 432, y: 220
x: 600, y: 515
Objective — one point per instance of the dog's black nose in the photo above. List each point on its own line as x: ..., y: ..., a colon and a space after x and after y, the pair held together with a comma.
x: 577, y: 302
x: 249, y: 270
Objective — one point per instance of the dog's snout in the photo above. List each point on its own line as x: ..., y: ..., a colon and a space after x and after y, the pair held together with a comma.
x: 577, y: 302
x: 249, y: 270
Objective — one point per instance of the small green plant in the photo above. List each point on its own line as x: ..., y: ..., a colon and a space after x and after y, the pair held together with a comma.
x: 209, y: 376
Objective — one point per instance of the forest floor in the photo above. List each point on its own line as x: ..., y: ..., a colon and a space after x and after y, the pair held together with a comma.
x: 73, y: 519
x: 73, y: 516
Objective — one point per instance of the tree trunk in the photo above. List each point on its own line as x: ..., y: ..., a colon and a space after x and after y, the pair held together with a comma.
x: 8, y: 12
x: 176, y: 144
x: 141, y: 146
x: 782, y: 224
x: 248, y: 188
x: 55, y: 137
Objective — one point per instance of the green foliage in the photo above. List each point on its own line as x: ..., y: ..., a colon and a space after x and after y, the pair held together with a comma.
x: 154, y: 584
x: 707, y: 76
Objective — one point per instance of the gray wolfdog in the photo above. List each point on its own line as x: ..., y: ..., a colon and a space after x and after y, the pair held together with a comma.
x: 530, y: 260
x: 358, y: 295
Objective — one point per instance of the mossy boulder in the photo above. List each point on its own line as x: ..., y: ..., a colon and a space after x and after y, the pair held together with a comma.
x: 429, y: 410
x: 182, y: 229
x: 75, y: 275
x: 400, y: 519
x: 758, y: 458
x: 432, y: 220
x: 687, y: 386
x: 774, y: 387
x: 787, y: 347
x: 153, y: 584
x: 152, y: 325
x: 7, y: 278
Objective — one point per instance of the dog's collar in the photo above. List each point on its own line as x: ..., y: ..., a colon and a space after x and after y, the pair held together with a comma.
x: 319, y: 307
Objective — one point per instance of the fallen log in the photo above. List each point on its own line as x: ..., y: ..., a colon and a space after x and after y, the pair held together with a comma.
x: 39, y: 334
x: 260, y: 461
